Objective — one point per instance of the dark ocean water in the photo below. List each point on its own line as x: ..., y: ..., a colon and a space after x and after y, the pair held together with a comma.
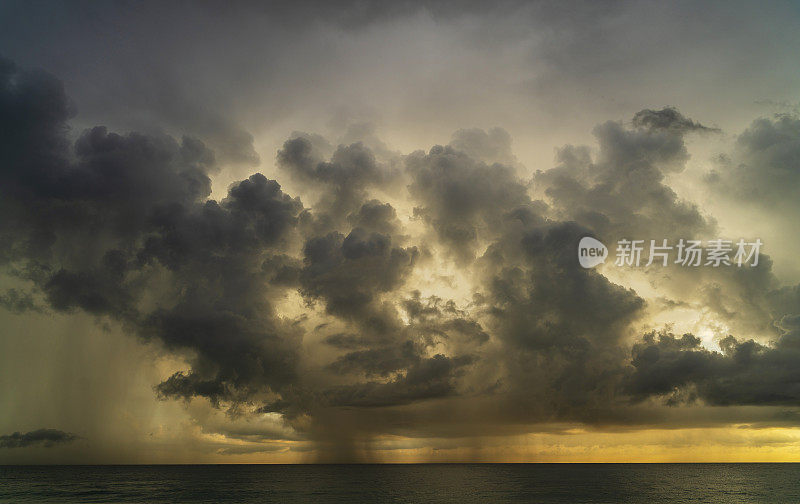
x: 459, y: 483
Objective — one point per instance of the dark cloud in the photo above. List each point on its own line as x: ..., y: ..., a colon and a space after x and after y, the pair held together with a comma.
x: 343, y: 180
x: 349, y: 272
x: 560, y: 328
x: 461, y: 197
x: 47, y: 438
x: 350, y: 165
x: 667, y: 118
x: 424, y: 379
x: 98, y: 226
x: 563, y: 327
x: 18, y: 302
x: 123, y: 227
x: 375, y: 216
x: 444, y: 318
x: 744, y: 373
x: 622, y: 192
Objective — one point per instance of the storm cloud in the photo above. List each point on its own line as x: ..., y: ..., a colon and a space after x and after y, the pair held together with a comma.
x: 401, y: 287
x: 744, y: 373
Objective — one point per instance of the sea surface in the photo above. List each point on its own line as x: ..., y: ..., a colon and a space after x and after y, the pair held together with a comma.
x: 418, y: 483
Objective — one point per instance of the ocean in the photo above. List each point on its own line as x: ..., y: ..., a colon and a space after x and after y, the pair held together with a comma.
x: 416, y: 483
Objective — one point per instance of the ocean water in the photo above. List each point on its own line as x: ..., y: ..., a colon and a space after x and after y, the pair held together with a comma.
x: 418, y: 483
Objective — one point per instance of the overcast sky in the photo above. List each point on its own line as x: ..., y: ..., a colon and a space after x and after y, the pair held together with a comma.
x: 326, y: 231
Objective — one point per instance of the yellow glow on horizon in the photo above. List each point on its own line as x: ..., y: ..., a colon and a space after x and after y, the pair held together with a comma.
x: 724, y: 444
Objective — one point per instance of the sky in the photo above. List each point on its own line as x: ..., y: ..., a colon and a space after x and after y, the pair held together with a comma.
x: 349, y: 232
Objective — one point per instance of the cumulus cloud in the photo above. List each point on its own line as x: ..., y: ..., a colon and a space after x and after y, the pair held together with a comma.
x: 622, y: 191
x: 94, y: 227
x: 763, y: 167
x: 744, y: 373
x: 460, y: 196
x: 493, y: 146
x: 123, y: 227
x: 343, y: 180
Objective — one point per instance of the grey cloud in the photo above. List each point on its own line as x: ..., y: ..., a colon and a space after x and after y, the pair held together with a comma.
x: 18, y: 302
x: 47, y: 438
x: 745, y: 373
x: 376, y: 217
x: 378, y: 360
x: 538, y: 304
x: 493, y: 146
x: 667, y: 118
x: 569, y: 321
x: 129, y: 233
x: 122, y: 227
x: 763, y: 168
x: 536, y: 277
x: 344, y: 179
x: 459, y: 196
x: 622, y: 192
x: 366, y: 133
x: 348, y: 272
x: 425, y: 379
x: 346, y: 341
x: 757, y: 178
x: 443, y: 318
x: 572, y: 322
x: 350, y: 165
x: 129, y: 213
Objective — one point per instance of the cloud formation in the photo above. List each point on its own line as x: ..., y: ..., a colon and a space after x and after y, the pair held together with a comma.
x: 46, y: 438
x: 315, y: 312
x: 744, y: 373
